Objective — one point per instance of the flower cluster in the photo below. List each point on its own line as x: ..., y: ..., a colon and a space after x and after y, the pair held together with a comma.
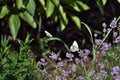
x: 82, y: 67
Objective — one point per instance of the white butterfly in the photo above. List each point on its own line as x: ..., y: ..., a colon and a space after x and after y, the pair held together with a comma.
x: 48, y: 34
x: 74, y: 47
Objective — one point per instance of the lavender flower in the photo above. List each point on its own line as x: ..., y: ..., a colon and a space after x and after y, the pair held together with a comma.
x: 117, y: 39
x: 101, y: 75
x: 116, y: 68
x: 65, y: 73
x: 98, y: 41
x: 84, y: 52
x: 104, y: 48
x: 115, y: 71
x: 117, y: 77
x: 113, y: 23
x: 101, y: 65
x: 72, y: 67
x: 53, y: 56
x: 44, y: 72
x: 115, y: 34
x: 41, y: 62
x: 78, y: 61
x: 59, y: 64
x: 104, y: 25
x: 104, y: 30
x: 58, y: 78
x: 95, y: 35
x: 70, y: 56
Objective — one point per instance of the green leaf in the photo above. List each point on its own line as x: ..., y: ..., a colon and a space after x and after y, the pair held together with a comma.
x: 82, y: 5
x: 100, y: 5
x: 19, y: 4
x: 31, y: 6
x: 62, y: 25
x: 104, y: 2
x: 75, y: 6
x: 118, y: 1
x: 76, y: 20
x: 28, y: 18
x: 3, y: 11
x: 56, y: 2
x: 63, y: 18
x: 14, y: 25
x: 49, y: 8
x: 42, y: 2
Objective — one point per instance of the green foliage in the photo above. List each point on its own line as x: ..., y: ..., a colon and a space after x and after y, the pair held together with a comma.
x: 3, y: 11
x: 28, y: 18
x: 19, y: 8
x: 14, y: 25
x: 118, y: 1
x: 16, y: 65
x: 56, y: 10
x: 44, y: 42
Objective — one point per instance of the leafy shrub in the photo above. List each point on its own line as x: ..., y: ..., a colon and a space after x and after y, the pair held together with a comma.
x: 16, y: 65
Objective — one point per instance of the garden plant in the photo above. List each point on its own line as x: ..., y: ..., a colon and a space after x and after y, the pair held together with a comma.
x: 59, y: 40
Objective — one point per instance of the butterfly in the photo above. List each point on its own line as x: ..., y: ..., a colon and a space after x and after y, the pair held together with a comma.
x: 48, y: 34
x: 74, y: 47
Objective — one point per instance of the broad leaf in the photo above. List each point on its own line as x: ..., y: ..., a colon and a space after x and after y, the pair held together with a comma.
x: 19, y: 4
x: 118, y: 1
x: 14, y: 25
x: 28, y: 18
x: 42, y: 2
x: 49, y: 8
x: 75, y: 6
x: 63, y: 18
x: 56, y: 2
x: 76, y: 20
x: 31, y: 6
x: 3, y: 11
x: 82, y: 5
x: 104, y: 2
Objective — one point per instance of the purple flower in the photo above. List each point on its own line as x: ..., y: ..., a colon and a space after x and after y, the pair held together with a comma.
x: 59, y: 64
x: 104, y: 30
x: 53, y: 56
x: 105, y: 46
x: 117, y: 39
x: 70, y: 56
x: 98, y: 41
x: 104, y: 25
x: 115, y: 71
x: 78, y: 61
x: 44, y: 72
x: 116, y: 68
x: 65, y: 73
x: 95, y: 35
x: 72, y: 67
x: 101, y: 75
x: 41, y: 62
x: 117, y: 77
x: 101, y: 65
x: 83, y: 52
x: 115, y: 34
x: 113, y: 23
x: 58, y: 78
